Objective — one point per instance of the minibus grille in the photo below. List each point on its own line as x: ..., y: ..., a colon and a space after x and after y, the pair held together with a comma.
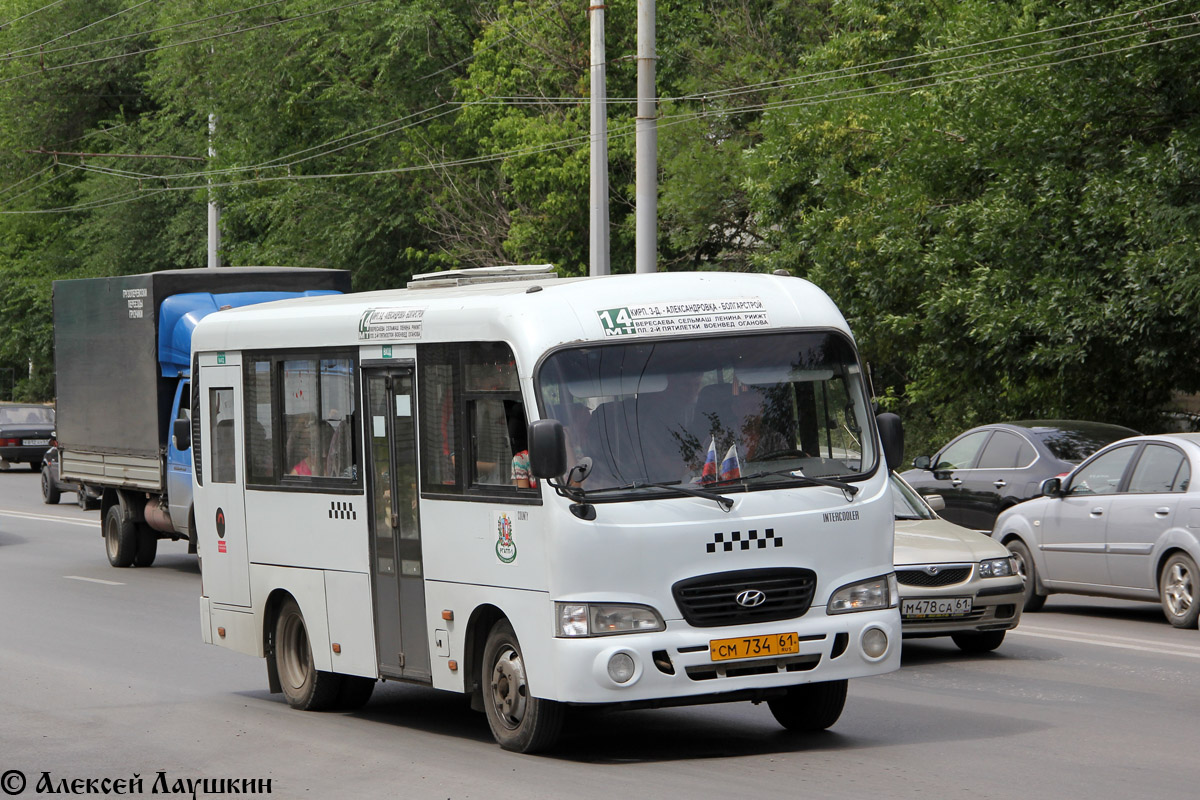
x: 712, y: 600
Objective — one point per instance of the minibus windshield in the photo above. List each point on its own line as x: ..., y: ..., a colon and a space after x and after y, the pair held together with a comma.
x: 748, y: 412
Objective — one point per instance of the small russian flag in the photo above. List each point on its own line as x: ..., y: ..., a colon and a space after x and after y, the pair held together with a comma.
x: 731, y: 466
x: 709, y: 473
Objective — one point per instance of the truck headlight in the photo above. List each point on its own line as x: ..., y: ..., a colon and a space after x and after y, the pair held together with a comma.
x: 605, y: 619
x: 868, y: 595
x: 997, y: 567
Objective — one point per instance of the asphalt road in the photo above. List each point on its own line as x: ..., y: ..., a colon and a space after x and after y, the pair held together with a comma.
x: 103, y: 675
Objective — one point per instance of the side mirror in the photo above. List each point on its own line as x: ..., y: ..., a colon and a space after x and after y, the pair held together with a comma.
x: 922, y: 462
x: 891, y: 435
x: 1052, y: 487
x: 181, y: 432
x: 936, y: 502
x: 547, y: 448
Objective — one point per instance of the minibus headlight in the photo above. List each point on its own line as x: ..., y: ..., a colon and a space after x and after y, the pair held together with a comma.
x: 868, y: 595
x: 596, y: 619
x: 996, y: 567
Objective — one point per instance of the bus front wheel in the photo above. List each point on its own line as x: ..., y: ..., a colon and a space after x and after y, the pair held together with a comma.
x: 519, y: 721
x: 810, y: 707
x: 304, y: 686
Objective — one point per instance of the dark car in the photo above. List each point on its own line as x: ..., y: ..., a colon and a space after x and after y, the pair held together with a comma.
x: 993, y: 467
x: 53, y: 486
x: 25, y: 434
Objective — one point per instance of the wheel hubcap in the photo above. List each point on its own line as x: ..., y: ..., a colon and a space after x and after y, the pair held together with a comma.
x: 293, y: 666
x: 1178, y: 590
x: 509, y: 691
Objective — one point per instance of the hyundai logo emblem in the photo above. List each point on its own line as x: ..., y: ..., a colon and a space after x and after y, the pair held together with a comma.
x: 750, y: 598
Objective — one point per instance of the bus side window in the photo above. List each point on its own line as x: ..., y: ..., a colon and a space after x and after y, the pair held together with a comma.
x: 221, y: 435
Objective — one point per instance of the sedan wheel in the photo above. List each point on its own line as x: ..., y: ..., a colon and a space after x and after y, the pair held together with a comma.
x: 1177, y: 589
x: 1026, y: 569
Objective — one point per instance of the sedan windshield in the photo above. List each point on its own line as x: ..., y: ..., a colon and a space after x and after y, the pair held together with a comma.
x: 907, y: 503
x: 729, y: 411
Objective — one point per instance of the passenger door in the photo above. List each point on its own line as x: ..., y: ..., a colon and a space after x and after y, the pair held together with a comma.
x: 397, y: 567
x: 222, y: 503
x: 986, y: 489
x: 1142, y: 513
x: 1074, y: 527
x: 179, y: 462
x: 950, y: 471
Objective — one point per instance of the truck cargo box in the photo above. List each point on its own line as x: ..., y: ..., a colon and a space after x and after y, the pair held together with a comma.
x: 112, y: 396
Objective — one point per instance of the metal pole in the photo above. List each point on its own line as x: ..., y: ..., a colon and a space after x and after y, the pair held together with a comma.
x: 599, y: 255
x: 646, y: 132
x: 214, y: 211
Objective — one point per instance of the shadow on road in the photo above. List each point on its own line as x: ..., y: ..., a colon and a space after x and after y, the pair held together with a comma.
x: 688, y: 733
x: 10, y: 538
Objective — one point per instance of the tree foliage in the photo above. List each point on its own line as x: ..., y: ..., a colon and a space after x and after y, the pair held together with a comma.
x: 1000, y: 195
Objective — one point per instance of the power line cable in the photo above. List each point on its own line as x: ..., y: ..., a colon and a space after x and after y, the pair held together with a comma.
x: 929, y: 81
x: 30, y: 14
x: 184, y: 43
x: 26, y: 52
x: 515, y: 100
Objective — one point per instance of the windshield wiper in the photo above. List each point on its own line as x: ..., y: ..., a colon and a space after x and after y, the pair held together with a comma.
x: 578, y: 493
x: 848, y: 488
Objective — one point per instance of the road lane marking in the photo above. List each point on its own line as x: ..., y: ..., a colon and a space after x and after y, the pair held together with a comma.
x: 50, y: 518
x: 1116, y: 637
x: 1187, y: 651
x: 92, y: 580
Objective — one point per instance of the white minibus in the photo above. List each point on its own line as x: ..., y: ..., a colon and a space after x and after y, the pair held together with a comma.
x: 543, y: 492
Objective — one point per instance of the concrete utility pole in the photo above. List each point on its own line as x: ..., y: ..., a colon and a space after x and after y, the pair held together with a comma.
x: 599, y: 256
x: 214, y: 211
x: 646, y: 132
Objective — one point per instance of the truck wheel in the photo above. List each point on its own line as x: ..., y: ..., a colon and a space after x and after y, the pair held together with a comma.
x: 120, y: 537
x: 50, y: 492
x: 519, y: 721
x: 147, y: 546
x: 304, y: 686
x: 810, y: 707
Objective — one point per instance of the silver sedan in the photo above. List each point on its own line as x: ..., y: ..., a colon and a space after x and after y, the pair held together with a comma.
x: 1125, y: 523
x: 953, y: 581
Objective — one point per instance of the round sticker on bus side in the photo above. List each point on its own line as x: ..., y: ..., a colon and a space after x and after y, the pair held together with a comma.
x: 506, y: 548
x: 220, y: 523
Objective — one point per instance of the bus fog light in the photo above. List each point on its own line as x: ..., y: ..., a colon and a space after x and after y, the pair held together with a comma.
x: 621, y: 667
x: 874, y: 642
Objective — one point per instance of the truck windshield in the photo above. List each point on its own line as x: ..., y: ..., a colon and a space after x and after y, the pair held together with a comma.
x: 732, y: 412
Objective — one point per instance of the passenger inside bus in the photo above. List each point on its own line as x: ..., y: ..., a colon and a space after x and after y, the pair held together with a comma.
x: 302, y: 446
x: 517, y: 437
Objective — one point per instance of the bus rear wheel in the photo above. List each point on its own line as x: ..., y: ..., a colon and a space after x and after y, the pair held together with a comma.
x: 519, y: 721
x: 304, y: 686
x: 810, y: 707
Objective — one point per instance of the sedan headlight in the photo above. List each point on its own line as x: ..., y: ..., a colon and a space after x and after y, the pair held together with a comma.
x: 868, y: 595
x: 997, y: 567
x: 605, y: 619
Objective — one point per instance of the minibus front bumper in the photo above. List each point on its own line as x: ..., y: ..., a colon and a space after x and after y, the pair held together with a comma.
x: 685, y: 664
